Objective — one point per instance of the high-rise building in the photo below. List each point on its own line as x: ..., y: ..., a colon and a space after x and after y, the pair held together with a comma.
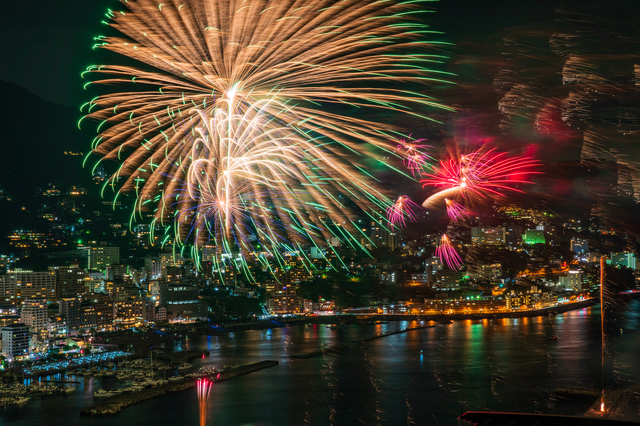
x: 579, y: 246
x: 572, y: 280
x: 70, y: 282
x: 115, y: 271
x: 182, y: 302
x: 153, y: 267
x: 88, y: 316
x: 16, y: 286
x: 70, y: 309
x: 104, y: 309
x: 101, y: 257
x: 168, y: 259
x: 488, y: 236
x: 628, y: 260
x: 15, y: 341
x: 513, y: 236
x: 34, y: 315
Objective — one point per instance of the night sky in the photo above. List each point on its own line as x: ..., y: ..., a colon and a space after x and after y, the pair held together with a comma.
x: 46, y: 45
x: 509, y: 57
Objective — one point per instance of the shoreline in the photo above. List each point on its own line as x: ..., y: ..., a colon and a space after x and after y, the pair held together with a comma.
x: 358, y: 318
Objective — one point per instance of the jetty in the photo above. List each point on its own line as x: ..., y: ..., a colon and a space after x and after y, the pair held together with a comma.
x: 381, y: 335
x: 118, y: 403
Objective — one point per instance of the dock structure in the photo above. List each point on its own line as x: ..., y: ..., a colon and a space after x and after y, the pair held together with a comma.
x: 404, y: 330
x: 310, y: 354
x: 118, y: 403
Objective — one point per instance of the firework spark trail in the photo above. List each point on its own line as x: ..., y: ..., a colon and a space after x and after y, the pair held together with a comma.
x: 414, y: 158
x: 455, y: 211
x: 448, y: 254
x: 404, y: 208
x: 247, y: 185
x: 293, y: 58
x: 479, y: 174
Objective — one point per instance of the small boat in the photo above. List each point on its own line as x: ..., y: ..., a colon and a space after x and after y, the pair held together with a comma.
x: 20, y: 400
x: 176, y: 379
x: 101, y: 393
x: 68, y: 390
x: 341, y: 326
x: 114, y: 392
x: 185, y: 366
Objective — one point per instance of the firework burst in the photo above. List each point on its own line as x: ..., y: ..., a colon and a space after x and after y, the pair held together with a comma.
x: 455, y: 211
x: 414, y: 157
x: 478, y: 175
x: 404, y: 208
x: 279, y: 63
x: 448, y: 254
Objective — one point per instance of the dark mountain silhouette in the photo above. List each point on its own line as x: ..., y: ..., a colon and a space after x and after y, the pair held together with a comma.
x: 35, y: 135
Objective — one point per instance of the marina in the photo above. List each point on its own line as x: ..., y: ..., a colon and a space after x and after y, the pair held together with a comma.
x: 122, y: 400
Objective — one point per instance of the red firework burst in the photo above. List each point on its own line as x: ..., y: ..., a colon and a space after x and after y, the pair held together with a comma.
x: 481, y: 172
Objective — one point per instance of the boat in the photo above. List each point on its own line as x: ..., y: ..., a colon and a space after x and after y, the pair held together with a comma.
x: 114, y: 392
x: 340, y: 326
x: 176, y: 379
x: 68, y: 390
x: 101, y: 393
x: 185, y: 366
x: 20, y: 400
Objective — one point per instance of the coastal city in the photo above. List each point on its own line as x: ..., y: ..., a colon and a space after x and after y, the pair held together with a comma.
x: 320, y: 212
x: 71, y: 275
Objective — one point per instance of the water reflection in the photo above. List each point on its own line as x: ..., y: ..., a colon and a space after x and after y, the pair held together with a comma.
x: 421, y: 377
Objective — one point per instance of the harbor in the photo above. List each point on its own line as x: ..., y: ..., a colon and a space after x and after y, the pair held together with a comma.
x: 119, y: 402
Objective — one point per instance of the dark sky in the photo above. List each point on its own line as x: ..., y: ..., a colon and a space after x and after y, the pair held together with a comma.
x: 45, y: 45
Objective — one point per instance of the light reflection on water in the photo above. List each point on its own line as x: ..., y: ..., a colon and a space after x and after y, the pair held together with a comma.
x: 419, y: 377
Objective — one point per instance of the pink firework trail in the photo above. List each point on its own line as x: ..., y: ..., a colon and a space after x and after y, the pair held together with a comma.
x: 479, y: 173
x: 401, y: 210
x: 455, y: 211
x: 414, y: 159
x: 448, y: 254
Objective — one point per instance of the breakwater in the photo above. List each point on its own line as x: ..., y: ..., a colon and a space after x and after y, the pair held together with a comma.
x: 118, y: 403
x: 404, y: 330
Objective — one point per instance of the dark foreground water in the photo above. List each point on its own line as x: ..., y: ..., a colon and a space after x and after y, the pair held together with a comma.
x: 419, y: 377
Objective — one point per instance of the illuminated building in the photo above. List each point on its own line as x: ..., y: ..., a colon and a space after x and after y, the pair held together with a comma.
x: 128, y: 312
x: 488, y: 236
x: 572, y: 280
x: 168, y: 259
x: 101, y: 257
x: 56, y: 327
x: 88, y: 316
x: 70, y: 282
x: 513, y: 237
x: 628, y: 260
x: 70, y: 309
x: 34, y: 315
x: 16, y: 286
x: 104, y: 309
x: 447, y: 279
x: 579, y: 246
x: 182, y: 302
x: 284, y: 300
x: 532, y: 237
x: 15, y: 341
